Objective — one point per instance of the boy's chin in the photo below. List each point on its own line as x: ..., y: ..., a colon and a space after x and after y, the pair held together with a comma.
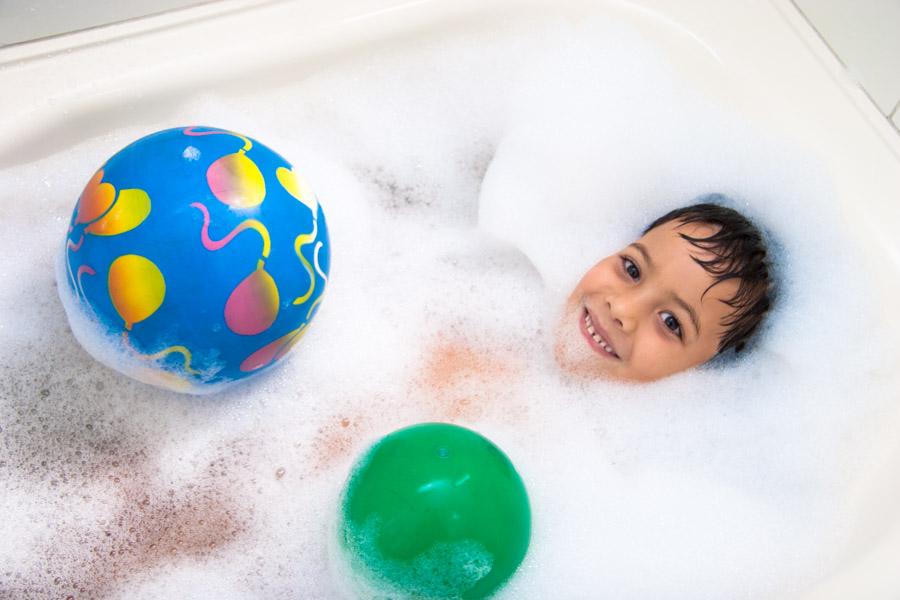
x: 572, y: 353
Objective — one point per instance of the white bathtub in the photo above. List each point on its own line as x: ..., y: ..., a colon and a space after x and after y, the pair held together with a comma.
x: 759, y: 58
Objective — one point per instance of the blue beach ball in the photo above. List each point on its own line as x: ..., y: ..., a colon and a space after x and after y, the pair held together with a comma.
x: 195, y: 257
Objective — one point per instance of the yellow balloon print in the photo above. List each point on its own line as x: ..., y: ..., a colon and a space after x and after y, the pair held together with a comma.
x: 297, y: 187
x: 136, y: 288
x: 129, y: 211
x: 235, y: 180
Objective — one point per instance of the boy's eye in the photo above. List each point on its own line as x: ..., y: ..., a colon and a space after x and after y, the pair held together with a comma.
x: 631, y: 269
x: 671, y: 323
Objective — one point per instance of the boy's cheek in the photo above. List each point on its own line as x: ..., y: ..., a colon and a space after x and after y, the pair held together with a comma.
x: 658, y: 360
x: 654, y: 360
x: 594, y: 280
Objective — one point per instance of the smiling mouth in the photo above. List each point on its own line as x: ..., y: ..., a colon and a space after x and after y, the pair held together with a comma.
x: 594, y: 339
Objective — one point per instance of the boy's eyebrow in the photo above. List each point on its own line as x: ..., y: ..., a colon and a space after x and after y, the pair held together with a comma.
x: 643, y: 250
x: 690, y: 311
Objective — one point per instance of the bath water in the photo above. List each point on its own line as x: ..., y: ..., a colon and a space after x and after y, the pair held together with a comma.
x: 469, y: 179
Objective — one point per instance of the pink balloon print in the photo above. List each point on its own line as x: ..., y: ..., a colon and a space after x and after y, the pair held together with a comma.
x: 273, y: 350
x: 253, y: 305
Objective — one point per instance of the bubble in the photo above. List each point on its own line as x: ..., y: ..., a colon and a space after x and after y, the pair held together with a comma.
x: 468, y: 178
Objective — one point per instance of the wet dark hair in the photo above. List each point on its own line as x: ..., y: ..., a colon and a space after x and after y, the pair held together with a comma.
x: 739, y: 253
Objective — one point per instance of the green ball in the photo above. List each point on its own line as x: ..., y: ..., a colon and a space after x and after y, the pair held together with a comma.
x: 435, y: 511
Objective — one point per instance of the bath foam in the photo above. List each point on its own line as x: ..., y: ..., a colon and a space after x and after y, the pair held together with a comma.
x: 448, y: 275
x: 469, y: 560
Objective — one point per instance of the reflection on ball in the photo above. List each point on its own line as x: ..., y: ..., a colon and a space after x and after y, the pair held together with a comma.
x: 435, y: 511
x: 195, y: 257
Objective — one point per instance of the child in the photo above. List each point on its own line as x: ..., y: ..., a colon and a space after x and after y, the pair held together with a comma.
x: 694, y: 285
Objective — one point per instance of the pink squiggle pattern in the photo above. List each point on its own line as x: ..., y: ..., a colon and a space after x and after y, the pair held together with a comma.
x: 213, y: 245
x: 75, y: 246
x: 247, y: 143
x: 81, y: 271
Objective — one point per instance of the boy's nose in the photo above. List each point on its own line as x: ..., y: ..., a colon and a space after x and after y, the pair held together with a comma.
x: 619, y: 316
x: 625, y: 309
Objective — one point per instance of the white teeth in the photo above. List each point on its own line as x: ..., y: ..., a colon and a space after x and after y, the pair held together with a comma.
x: 596, y: 336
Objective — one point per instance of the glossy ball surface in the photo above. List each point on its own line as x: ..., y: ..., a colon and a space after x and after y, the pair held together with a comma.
x: 435, y: 511
x: 195, y: 257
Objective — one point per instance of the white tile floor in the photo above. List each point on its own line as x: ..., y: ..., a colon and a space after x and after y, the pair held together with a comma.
x: 865, y: 36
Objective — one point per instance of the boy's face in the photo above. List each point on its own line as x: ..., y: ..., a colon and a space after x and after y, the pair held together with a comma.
x: 641, y: 314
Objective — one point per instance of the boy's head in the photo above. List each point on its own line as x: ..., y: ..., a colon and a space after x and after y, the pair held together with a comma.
x: 694, y: 285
